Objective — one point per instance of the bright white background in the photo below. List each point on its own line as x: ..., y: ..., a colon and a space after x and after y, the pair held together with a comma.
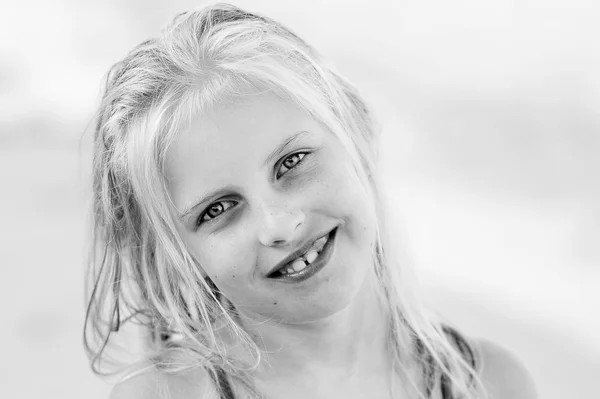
x: 491, y: 114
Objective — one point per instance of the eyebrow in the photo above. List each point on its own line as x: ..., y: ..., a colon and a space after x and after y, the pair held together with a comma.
x: 288, y: 142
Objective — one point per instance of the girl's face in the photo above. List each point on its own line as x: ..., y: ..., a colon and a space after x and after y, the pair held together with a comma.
x: 269, y: 204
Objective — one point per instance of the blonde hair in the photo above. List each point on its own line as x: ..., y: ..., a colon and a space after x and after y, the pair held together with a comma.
x: 140, y: 271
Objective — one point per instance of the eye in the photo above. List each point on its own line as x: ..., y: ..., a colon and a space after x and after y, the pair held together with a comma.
x: 215, y: 210
x: 290, y: 162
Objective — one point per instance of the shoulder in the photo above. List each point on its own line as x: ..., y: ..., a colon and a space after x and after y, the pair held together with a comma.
x: 503, y: 375
x: 154, y: 384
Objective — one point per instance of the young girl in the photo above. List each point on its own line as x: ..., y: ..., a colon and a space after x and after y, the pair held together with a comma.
x: 239, y: 223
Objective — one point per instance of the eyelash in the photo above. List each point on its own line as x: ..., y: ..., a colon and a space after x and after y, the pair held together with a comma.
x: 201, y: 218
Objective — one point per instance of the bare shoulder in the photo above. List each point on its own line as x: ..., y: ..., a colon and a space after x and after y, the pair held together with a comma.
x: 157, y: 385
x: 503, y: 374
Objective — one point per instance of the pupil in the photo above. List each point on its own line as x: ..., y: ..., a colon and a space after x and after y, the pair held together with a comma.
x: 290, y: 161
x: 215, y: 209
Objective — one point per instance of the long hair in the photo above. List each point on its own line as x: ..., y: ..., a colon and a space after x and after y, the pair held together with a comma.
x: 140, y: 273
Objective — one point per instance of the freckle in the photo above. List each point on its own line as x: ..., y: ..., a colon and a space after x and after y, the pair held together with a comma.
x: 274, y: 303
x: 233, y: 276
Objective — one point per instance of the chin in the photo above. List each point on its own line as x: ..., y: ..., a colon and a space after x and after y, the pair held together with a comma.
x: 335, y: 291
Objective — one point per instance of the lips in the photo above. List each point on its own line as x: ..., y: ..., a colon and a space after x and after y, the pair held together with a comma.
x: 306, y: 260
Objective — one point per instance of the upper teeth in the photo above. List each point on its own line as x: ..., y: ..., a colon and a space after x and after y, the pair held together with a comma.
x: 306, y: 259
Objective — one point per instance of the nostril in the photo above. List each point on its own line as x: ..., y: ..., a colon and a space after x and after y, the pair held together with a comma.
x: 279, y: 226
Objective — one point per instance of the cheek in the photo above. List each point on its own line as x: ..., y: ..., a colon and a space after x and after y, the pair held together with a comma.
x: 224, y: 257
x: 349, y: 201
x: 342, y: 190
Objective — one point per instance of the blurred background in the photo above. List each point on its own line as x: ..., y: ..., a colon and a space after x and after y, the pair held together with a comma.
x: 491, y: 119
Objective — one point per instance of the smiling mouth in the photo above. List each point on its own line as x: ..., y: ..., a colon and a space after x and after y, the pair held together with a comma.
x: 309, y: 263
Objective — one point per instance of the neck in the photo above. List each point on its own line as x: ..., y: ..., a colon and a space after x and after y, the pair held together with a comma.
x: 350, y: 342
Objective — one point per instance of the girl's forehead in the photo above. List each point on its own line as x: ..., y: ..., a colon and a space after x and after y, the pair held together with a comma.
x: 243, y: 120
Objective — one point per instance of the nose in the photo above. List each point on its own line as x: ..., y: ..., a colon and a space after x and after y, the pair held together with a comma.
x: 280, y: 225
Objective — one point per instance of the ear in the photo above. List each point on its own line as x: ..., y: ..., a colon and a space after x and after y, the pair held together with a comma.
x: 503, y: 374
